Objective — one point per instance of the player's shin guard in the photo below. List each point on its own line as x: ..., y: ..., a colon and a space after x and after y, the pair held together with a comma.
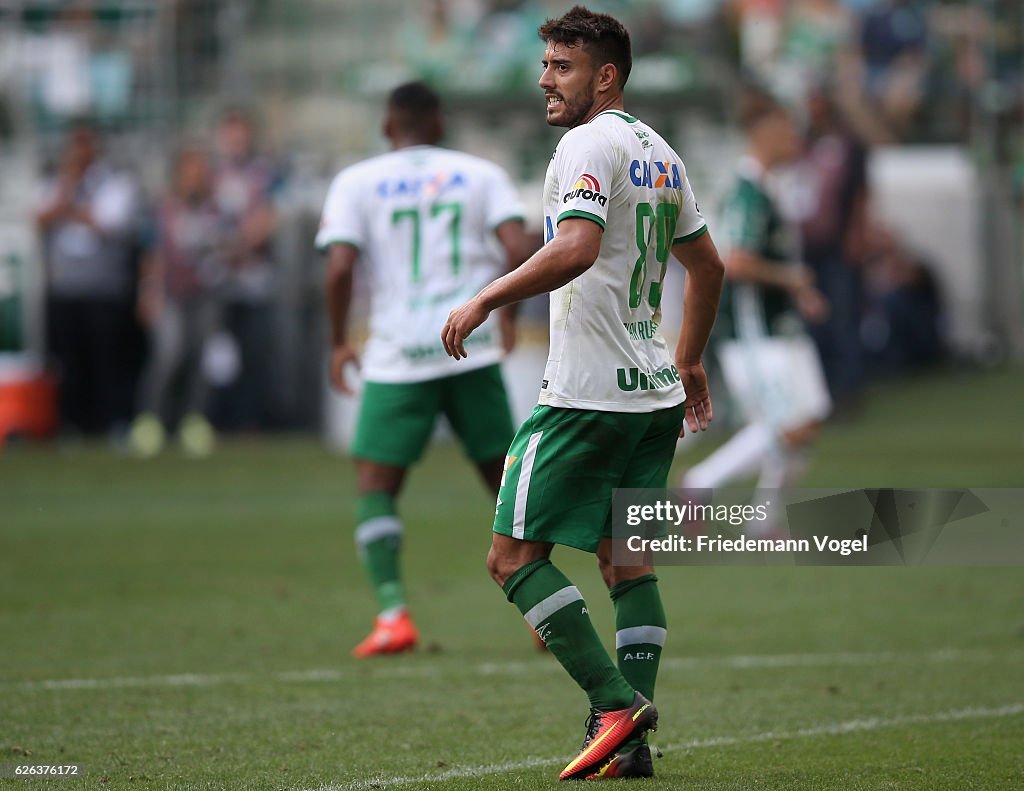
x: 554, y: 607
x: 379, y: 539
x: 639, y: 631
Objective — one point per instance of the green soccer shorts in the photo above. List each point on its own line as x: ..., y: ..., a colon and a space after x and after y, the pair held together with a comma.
x: 564, y: 463
x: 396, y: 420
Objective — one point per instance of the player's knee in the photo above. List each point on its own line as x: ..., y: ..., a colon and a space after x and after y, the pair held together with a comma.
x: 371, y: 477
x: 498, y: 566
x: 503, y: 562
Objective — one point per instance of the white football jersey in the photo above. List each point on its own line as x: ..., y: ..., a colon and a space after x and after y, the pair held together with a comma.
x: 423, y: 219
x: 606, y: 352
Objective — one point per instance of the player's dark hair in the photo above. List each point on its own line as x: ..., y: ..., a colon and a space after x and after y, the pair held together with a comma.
x: 602, y: 37
x: 415, y: 98
x: 415, y: 106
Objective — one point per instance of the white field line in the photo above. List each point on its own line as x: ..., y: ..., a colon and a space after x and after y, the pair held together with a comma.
x: 833, y: 729
x: 427, y: 669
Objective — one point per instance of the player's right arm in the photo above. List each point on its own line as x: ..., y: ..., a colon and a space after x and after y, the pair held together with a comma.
x: 341, y: 262
x: 796, y: 279
x: 748, y: 229
x: 747, y: 266
x: 342, y: 233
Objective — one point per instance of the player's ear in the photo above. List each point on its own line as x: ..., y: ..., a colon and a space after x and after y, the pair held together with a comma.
x: 607, y: 77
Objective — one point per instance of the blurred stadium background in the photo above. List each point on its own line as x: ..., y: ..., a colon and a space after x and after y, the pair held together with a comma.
x: 174, y: 623
x: 931, y: 90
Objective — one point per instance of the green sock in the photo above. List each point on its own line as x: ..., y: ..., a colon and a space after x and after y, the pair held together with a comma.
x: 553, y: 606
x: 379, y: 538
x: 639, y: 631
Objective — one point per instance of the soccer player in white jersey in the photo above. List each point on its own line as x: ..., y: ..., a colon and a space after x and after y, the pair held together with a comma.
x: 431, y: 226
x: 614, y: 399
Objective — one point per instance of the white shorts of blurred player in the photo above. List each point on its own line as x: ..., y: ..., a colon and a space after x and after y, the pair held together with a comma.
x: 776, y: 381
x: 778, y: 384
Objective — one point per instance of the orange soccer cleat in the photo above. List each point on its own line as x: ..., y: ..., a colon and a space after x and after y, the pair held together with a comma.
x: 392, y: 636
x: 607, y: 731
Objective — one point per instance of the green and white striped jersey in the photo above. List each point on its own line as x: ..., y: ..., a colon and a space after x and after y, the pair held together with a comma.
x: 423, y: 219
x: 606, y: 351
x: 752, y: 222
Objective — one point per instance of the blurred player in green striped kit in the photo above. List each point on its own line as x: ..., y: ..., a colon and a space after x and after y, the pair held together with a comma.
x: 770, y: 365
x: 430, y: 226
x: 614, y: 399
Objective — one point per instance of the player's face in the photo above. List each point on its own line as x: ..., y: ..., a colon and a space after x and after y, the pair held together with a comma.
x: 787, y: 139
x: 570, y: 84
x: 777, y: 138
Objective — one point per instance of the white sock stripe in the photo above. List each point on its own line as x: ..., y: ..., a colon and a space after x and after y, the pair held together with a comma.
x: 523, y: 486
x: 379, y: 527
x: 543, y: 610
x: 653, y: 635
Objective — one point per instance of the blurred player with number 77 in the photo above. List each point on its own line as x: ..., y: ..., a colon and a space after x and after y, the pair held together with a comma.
x: 430, y: 226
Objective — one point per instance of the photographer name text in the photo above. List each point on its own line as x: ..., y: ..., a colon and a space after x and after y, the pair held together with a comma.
x: 714, y: 544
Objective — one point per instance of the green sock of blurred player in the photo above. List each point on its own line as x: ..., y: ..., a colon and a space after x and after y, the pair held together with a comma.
x: 554, y: 607
x: 379, y: 538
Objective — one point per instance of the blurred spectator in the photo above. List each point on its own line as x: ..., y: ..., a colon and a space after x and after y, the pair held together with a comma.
x: 760, y: 33
x: 834, y: 176
x: 817, y: 34
x: 60, y: 58
x: 244, y: 186
x: 893, y: 41
x: 78, y: 66
x: 684, y: 13
x: 650, y: 29
x: 179, y: 300
x: 902, y: 326
x: 962, y: 66
x: 434, y: 41
x: 88, y: 220
x: 815, y: 31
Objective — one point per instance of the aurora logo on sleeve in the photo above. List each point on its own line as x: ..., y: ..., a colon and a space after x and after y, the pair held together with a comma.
x: 586, y: 188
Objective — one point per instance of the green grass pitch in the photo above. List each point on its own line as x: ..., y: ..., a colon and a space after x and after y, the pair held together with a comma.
x: 179, y: 624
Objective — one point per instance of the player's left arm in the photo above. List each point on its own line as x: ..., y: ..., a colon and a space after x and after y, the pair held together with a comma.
x: 571, y: 253
x: 704, y: 274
